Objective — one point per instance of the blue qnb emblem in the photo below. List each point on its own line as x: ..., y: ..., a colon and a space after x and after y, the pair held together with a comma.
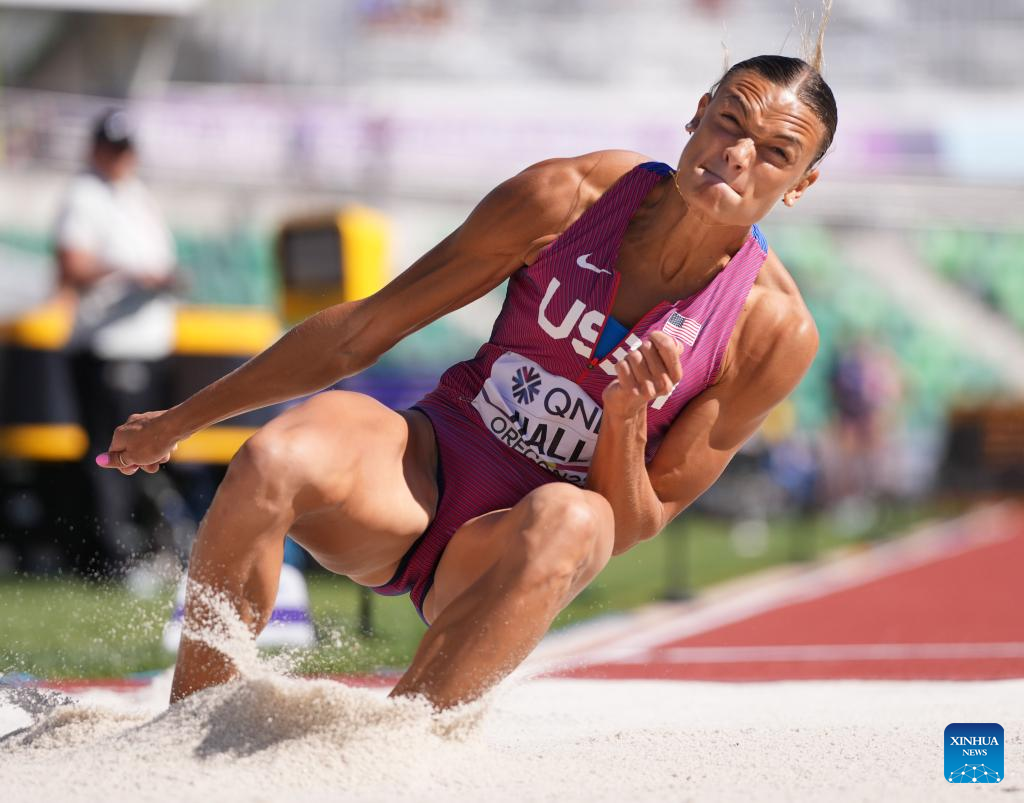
x: 974, y: 752
x: 525, y: 384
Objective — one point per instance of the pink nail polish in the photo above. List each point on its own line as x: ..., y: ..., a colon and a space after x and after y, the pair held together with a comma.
x: 103, y: 459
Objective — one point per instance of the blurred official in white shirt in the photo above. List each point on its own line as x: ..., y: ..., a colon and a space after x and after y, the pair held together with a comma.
x: 116, y: 257
x: 115, y: 250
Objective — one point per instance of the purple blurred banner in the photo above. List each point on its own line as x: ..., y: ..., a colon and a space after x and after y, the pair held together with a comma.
x: 254, y: 137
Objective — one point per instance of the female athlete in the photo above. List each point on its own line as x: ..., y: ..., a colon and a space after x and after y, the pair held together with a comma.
x: 646, y: 333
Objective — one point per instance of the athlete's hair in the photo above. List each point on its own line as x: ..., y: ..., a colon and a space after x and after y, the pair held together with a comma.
x: 803, y: 77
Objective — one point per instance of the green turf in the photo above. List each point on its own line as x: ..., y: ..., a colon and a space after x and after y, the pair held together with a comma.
x: 66, y: 627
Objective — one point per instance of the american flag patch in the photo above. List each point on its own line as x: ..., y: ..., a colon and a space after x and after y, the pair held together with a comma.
x: 681, y: 328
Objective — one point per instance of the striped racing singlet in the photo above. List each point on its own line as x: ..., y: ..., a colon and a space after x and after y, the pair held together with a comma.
x: 526, y: 410
x: 536, y: 385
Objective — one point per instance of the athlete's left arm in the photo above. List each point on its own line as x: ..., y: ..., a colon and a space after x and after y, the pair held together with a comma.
x: 774, y: 349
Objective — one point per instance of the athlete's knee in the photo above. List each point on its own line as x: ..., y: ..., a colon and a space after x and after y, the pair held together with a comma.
x: 567, y: 533
x: 577, y: 513
x: 269, y: 468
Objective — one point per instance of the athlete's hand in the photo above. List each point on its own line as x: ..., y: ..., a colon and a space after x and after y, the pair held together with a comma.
x: 645, y: 374
x: 142, y: 441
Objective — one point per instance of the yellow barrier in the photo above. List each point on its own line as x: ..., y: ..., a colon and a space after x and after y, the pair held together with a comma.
x: 217, y: 444
x: 328, y: 259
x: 43, y: 426
x: 44, y: 442
x: 225, y: 331
x: 47, y: 327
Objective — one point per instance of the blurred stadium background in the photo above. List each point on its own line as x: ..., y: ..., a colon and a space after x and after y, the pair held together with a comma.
x: 304, y: 152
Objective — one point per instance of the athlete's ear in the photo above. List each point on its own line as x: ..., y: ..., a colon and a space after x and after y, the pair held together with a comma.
x: 793, y: 194
x: 702, y: 104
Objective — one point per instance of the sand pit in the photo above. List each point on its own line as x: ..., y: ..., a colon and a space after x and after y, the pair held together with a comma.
x: 270, y: 737
x: 276, y: 738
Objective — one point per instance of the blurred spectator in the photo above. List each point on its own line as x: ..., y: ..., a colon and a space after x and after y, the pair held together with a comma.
x: 115, y: 257
x: 791, y: 459
x: 405, y: 12
x: 865, y: 387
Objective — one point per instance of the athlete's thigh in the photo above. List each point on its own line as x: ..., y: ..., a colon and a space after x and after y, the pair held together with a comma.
x: 367, y: 486
x: 481, y: 542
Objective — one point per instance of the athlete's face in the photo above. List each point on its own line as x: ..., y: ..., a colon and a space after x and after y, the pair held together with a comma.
x: 751, y: 145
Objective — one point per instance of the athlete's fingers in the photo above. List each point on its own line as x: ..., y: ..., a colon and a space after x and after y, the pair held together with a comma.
x: 641, y: 370
x: 623, y: 375
x: 119, y: 461
x: 646, y: 378
x: 626, y: 378
x: 670, y: 352
x: 656, y: 365
x: 112, y: 459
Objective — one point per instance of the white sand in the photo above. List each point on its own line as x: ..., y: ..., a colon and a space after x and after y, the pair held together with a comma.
x: 268, y: 737
x: 275, y: 738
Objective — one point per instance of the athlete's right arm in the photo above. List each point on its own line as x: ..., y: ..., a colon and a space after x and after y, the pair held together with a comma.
x: 346, y: 338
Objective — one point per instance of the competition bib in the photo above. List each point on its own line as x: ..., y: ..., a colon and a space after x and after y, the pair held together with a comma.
x: 545, y: 417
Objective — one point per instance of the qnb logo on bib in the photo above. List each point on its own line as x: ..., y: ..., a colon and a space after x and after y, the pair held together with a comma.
x: 545, y: 417
x: 525, y: 384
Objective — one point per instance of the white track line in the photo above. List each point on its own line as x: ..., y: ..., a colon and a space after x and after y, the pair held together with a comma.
x: 646, y: 629
x: 823, y: 652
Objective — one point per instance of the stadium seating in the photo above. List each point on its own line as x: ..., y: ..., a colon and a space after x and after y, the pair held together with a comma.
x: 845, y: 303
x: 987, y: 264
x: 237, y: 269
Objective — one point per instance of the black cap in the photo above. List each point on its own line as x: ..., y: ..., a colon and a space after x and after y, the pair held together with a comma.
x: 113, y: 129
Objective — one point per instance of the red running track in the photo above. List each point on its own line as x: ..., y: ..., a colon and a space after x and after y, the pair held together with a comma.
x: 958, y: 615
x: 952, y: 610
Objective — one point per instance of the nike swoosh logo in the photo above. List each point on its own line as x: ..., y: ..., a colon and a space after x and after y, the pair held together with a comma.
x: 582, y: 262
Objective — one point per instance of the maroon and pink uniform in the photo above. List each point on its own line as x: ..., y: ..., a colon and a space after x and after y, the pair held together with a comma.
x: 526, y: 409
